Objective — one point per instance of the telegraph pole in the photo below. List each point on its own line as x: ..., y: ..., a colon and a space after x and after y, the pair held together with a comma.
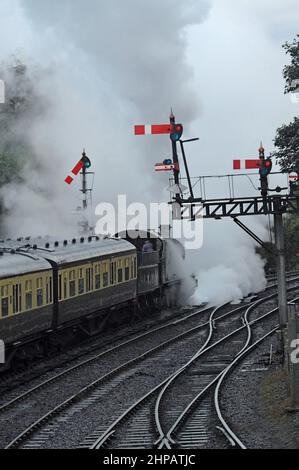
x: 281, y: 269
x: 265, y: 170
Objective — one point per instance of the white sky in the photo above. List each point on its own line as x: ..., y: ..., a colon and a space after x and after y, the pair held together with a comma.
x: 238, y: 63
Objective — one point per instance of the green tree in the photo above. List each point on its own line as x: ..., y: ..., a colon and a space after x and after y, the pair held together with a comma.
x: 287, y: 155
x: 287, y: 136
x: 287, y: 144
x: 291, y: 71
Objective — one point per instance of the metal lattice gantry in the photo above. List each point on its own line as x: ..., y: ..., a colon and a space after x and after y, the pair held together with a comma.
x: 236, y: 207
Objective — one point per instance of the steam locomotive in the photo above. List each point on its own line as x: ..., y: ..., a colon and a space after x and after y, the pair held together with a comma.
x: 53, y: 292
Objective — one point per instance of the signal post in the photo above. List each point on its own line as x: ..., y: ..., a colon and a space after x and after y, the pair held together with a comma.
x: 266, y: 204
x: 82, y: 167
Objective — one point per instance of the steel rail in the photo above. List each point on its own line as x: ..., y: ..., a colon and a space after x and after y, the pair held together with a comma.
x: 167, y: 437
x: 106, y: 377
x: 112, y: 373
x: 112, y: 428
x: 89, y: 361
x: 246, y: 351
x: 247, y: 325
x: 178, y: 373
x: 69, y: 370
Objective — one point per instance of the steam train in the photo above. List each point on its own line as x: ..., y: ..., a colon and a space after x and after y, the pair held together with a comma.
x: 51, y: 293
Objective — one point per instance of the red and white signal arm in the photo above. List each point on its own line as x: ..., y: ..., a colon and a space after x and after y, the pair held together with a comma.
x: 293, y: 176
x: 247, y: 164
x: 75, y: 171
x: 153, y: 129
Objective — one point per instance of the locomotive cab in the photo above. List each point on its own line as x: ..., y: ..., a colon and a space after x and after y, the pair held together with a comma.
x: 160, y: 263
x: 149, y: 256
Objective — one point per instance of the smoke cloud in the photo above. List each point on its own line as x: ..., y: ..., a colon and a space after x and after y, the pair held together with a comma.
x: 104, y: 67
x: 107, y: 68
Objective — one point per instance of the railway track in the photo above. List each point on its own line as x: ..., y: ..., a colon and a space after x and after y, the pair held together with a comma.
x: 111, y: 377
x: 104, y: 355
x: 146, y: 424
x: 226, y: 428
x: 41, y: 430
x: 9, y: 382
x: 26, y: 399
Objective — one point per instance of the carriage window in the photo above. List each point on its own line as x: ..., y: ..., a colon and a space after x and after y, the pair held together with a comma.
x: 97, y: 272
x: 39, y: 292
x: 120, y: 275
x: 28, y: 300
x: 28, y: 295
x: 98, y: 281
x: 81, y: 286
x: 105, y: 280
x: 4, y: 307
x: 4, y: 301
x: 72, y: 284
x: 72, y: 288
x: 39, y: 297
x: 127, y: 269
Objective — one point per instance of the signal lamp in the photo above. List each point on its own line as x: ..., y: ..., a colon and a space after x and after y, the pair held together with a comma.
x: 176, y: 132
x: 86, y: 162
x: 266, y: 167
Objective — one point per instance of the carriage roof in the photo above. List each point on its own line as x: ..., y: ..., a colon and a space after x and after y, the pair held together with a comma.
x: 32, y: 256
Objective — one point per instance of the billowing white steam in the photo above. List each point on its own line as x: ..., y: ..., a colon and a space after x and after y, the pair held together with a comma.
x: 110, y: 65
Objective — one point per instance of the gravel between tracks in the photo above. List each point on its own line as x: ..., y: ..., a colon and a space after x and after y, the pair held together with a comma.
x: 117, y: 398
x: 255, y: 403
